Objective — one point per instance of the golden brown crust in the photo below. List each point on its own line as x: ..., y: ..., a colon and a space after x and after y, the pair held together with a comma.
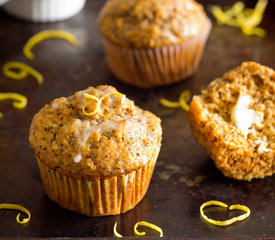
x: 151, y: 23
x: 87, y: 147
x: 236, y: 155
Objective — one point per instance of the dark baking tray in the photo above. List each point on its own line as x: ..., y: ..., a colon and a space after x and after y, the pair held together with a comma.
x: 175, y: 194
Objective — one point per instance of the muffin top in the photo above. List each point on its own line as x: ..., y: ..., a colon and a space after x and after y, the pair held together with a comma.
x: 151, y: 23
x: 96, y: 132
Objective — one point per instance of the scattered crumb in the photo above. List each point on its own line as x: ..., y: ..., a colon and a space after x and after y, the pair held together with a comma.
x: 181, y: 174
x: 173, y: 167
x: 164, y: 175
x: 194, y: 182
x: 160, y: 163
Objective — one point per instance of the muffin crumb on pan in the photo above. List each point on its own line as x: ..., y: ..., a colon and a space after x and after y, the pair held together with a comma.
x: 99, y: 164
x: 234, y: 120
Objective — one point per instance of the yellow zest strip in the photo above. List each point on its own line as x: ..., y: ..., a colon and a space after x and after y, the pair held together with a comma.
x: 115, y: 231
x: 170, y: 104
x: 225, y: 17
x: 122, y: 96
x: 245, y: 18
x: 24, y: 70
x: 99, y: 101
x: 146, y: 224
x: 86, y: 95
x: 184, y: 97
x: 236, y: 9
x: 114, y: 93
x: 232, y: 207
x: 20, y: 101
x: 17, y: 207
x: 45, y: 35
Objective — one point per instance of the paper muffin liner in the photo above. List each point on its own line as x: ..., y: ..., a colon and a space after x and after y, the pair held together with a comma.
x: 44, y: 10
x: 149, y: 67
x: 97, y: 197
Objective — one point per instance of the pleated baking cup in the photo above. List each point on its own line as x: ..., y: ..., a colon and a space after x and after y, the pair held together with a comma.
x: 149, y: 67
x: 97, y: 197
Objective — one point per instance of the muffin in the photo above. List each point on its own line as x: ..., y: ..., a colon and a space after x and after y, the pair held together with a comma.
x: 153, y: 42
x: 96, y: 151
x: 234, y: 120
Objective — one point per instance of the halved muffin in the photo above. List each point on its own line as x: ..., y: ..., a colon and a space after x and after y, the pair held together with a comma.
x: 234, y: 119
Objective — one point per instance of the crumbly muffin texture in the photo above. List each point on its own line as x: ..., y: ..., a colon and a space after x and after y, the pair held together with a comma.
x: 238, y: 154
x: 113, y: 141
x: 151, y: 23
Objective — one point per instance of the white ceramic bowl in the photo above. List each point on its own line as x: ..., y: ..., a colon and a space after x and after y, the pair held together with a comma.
x: 3, y: 1
x: 44, y: 10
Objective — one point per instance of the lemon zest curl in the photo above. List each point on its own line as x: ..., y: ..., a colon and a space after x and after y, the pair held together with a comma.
x: 183, y: 99
x: 149, y: 225
x: 45, y: 35
x: 17, y: 207
x: 122, y: 96
x: 115, y: 231
x: 20, y: 101
x: 89, y: 96
x: 99, y: 102
x: 169, y: 104
x: 245, y: 18
x: 24, y: 70
x: 231, y: 207
x: 141, y: 223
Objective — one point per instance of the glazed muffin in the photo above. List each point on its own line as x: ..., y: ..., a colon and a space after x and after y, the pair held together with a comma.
x: 96, y: 151
x: 234, y: 120
x: 153, y: 42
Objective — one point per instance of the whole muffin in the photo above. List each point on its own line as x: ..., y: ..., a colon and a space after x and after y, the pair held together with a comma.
x: 96, y: 151
x: 234, y: 120
x: 153, y: 42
